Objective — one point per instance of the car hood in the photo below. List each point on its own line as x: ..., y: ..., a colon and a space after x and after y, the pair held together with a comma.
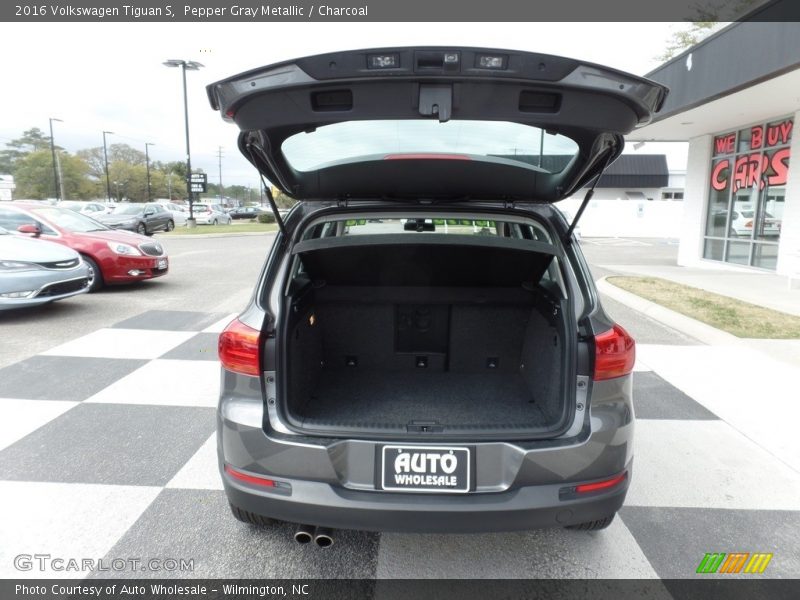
x: 26, y: 249
x: 112, y: 218
x: 405, y: 116
x: 116, y: 235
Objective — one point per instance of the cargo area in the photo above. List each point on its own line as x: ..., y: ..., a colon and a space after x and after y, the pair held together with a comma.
x: 391, y: 336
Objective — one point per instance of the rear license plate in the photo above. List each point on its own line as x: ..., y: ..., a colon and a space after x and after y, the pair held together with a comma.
x: 162, y: 263
x: 426, y: 469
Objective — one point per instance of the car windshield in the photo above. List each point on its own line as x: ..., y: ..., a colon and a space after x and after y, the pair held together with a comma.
x: 351, y: 140
x: 130, y: 209
x: 69, y: 220
x: 200, y: 208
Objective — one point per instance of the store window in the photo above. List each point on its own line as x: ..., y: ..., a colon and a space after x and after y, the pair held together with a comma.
x: 747, y: 194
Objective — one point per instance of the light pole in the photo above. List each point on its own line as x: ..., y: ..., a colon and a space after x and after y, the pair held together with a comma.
x: 53, y: 152
x: 191, y: 66
x: 105, y: 157
x: 147, y: 162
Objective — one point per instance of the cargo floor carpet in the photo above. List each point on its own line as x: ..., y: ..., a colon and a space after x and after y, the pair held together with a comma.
x: 364, y: 397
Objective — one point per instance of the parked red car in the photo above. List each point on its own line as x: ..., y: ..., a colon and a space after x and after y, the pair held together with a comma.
x: 113, y: 256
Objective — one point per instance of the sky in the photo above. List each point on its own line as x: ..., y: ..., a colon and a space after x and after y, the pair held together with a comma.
x: 109, y: 76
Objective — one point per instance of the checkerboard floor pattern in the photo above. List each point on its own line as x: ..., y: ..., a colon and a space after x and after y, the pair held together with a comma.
x: 107, y: 450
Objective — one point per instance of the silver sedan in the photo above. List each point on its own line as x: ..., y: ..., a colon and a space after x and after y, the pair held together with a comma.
x: 34, y: 272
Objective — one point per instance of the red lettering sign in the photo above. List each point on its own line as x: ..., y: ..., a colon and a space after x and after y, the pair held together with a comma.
x: 725, y: 144
x: 756, y: 137
x: 780, y: 167
x: 758, y: 168
x: 719, y: 175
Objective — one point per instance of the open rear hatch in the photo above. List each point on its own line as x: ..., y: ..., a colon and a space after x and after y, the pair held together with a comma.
x: 395, y: 330
x: 434, y: 122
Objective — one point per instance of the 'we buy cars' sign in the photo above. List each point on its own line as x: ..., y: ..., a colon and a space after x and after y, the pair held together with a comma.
x: 760, y: 165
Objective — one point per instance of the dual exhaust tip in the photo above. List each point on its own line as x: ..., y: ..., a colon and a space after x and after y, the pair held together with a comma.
x: 321, y: 536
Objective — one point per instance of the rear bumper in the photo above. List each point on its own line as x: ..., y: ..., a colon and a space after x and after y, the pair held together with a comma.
x: 333, y: 482
x: 320, y: 504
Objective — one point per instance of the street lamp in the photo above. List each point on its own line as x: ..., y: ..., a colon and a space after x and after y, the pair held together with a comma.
x: 147, y: 162
x: 190, y: 66
x: 53, y: 152
x: 105, y: 156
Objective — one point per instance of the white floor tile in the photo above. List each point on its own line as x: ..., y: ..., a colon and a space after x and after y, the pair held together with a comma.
x: 220, y: 325
x: 746, y: 388
x: 65, y: 520
x: 18, y: 418
x: 547, y: 553
x: 201, y: 472
x: 707, y: 464
x: 166, y: 382
x: 123, y: 343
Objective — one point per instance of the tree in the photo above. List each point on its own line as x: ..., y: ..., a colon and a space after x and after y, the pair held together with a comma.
x: 708, y: 17
x: 32, y: 140
x: 34, y: 176
x: 282, y: 200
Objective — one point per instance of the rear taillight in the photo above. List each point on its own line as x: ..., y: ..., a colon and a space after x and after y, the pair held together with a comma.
x: 615, y: 353
x: 239, y: 348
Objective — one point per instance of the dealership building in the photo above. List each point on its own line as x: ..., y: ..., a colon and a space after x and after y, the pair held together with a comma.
x: 735, y: 98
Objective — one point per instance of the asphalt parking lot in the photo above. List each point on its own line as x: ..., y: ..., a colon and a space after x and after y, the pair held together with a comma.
x: 107, y: 449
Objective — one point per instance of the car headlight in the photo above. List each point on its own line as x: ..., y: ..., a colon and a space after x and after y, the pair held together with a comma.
x: 9, y: 266
x: 124, y: 249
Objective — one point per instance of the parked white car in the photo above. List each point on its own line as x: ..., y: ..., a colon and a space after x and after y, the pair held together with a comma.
x: 179, y: 213
x: 208, y: 214
x: 90, y: 209
x: 742, y: 222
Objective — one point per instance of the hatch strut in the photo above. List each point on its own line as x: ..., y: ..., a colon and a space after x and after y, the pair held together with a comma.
x: 274, y: 207
x: 567, y: 239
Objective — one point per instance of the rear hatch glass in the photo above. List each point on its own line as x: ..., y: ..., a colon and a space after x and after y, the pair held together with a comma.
x: 398, y: 139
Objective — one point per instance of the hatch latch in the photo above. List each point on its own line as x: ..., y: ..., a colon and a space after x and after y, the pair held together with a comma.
x: 436, y: 100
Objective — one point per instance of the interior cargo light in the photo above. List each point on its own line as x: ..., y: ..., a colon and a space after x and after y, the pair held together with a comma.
x: 615, y: 353
x: 383, y: 61
x: 601, y: 485
x: 240, y: 349
x: 488, y: 61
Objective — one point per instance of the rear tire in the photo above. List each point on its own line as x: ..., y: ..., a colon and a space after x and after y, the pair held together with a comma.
x: 251, y: 518
x: 141, y: 229
x: 95, y: 275
x: 214, y: 222
x: 593, y: 525
x: 170, y: 225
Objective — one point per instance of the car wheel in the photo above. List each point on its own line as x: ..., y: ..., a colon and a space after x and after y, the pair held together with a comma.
x: 141, y: 229
x: 593, y: 525
x: 170, y: 225
x: 95, y: 275
x: 214, y: 222
x: 251, y: 518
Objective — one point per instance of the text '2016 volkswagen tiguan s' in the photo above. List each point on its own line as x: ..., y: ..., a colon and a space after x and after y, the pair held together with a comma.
x: 425, y: 349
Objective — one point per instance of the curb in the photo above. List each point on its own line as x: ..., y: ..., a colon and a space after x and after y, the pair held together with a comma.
x: 686, y: 325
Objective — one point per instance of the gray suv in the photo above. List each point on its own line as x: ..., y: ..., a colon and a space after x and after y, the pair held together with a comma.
x: 425, y: 349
